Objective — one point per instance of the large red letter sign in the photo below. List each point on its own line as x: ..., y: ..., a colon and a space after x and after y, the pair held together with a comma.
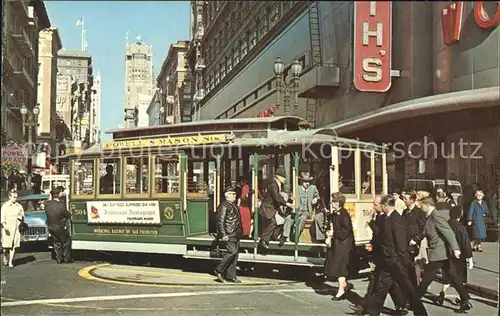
x: 451, y: 22
x: 483, y: 21
x: 372, y: 45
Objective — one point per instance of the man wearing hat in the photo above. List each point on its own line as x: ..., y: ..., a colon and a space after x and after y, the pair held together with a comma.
x: 270, y: 205
x: 229, y: 230
x: 57, y: 215
x: 308, y: 198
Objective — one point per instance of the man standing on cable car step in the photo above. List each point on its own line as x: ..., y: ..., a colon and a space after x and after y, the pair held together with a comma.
x: 229, y: 231
x: 270, y: 206
x: 57, y: 217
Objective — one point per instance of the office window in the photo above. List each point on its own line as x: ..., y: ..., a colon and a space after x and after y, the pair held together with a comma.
x: 264, y: 23
x: 275, y: 13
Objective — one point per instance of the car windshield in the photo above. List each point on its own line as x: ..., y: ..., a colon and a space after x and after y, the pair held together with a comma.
x: 455, y: 189
x: 420, y: 186
x: 33, y: 205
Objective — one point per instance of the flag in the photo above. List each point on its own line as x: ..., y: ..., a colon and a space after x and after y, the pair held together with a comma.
x: 79, y: 22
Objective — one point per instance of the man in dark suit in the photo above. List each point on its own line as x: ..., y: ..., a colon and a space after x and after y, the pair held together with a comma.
x: 391, y: 247
x: 57, y: 215
x: 395, y: 292
x: 440, y: 236
x: 414, y: 220
x: 270, y: 205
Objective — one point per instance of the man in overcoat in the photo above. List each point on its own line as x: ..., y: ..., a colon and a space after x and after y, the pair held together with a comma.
x: 57, y: 217
x: 391, y: 246
x: 440, y: 236
x: 269, y: 207
x: 229, y: 231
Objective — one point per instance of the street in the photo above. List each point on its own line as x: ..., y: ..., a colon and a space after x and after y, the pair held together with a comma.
x: 38, y: 286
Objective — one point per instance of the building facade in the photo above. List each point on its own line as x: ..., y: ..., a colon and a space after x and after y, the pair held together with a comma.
x: 436, y: 89
x: 74, y: 92
x: 95, y: 123
x: 174, y: 83
x: 138, y: 77
x: 154, y: 110
x: 21, y: 22
x: 52, y: 131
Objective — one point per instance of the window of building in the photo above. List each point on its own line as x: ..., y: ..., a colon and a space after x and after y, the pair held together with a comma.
x: 229, y: 60
x: 222, y: 70
x: 252, y: 38
x: 166, y: 174
x: 216, y: 73
x: 275, y: 13
x: 244, y: 46
x: 264, y: 22
x: 137, y: 175
x: 83, y: 175
x: 216, y: 46
x: 236, y: 55
x: 255, y: 31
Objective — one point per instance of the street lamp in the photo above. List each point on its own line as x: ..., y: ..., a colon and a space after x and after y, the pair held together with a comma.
x: 30, y: 124
x: 287, y: 88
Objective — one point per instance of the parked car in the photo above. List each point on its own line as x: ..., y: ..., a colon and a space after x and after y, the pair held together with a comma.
x: 35, y: 217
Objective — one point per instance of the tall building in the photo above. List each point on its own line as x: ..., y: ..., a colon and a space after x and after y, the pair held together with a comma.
x: 174, y: 83
x: 52, y: 130
x: 75, y: 86
x: 21, y: 22
x: 416, y: 81
x: 138, y: 78
x: 95, y: 122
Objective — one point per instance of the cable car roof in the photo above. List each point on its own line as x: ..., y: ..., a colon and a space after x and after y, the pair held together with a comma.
x: 252, y: 123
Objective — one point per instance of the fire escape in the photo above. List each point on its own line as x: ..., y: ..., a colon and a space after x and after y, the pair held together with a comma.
x: 316, y: 56
x: 200, y: 66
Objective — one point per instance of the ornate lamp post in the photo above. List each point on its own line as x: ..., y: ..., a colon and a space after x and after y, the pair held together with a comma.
x: 30, y: 125
x: 284, y: 89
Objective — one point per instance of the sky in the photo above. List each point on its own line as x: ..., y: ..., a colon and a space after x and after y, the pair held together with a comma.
x: 159, y: 23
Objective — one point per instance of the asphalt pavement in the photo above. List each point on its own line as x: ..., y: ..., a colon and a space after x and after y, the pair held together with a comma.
x: 38, y: 286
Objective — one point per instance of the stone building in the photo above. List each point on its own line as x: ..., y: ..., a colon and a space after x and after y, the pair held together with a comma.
x: 95, y: 122
x: 138, y: 78
x: 21, y: 22
x: 74, y: 92
x: 174, y: 83
x: 439, y: 92
x: 52, y: 130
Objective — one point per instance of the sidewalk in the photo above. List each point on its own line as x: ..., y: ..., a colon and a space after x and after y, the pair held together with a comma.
x: 161, y: 276
x: 484, y: 276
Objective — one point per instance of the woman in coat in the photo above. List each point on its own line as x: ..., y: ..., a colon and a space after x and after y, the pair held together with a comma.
x: 475, y: 218
x: 340, y: 242
x: 12, y: 214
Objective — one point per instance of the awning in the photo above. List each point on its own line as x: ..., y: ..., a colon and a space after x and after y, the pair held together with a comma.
x: 436, y: 104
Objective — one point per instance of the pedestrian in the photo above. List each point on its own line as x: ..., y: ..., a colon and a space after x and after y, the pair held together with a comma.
x: 229, y: 231
x: 342, y: 244
x: 440, y: 236
x: 395, y: 292
x: 475, y: 219
x: 391, y: 245
x: 414, y: 220
x: 459, y: 265
x: 57, y: 217
x: 12, y: 214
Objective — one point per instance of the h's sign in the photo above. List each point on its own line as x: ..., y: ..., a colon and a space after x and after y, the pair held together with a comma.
x: 372, y: 45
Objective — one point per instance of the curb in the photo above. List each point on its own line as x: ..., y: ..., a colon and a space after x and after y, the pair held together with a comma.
x: 215, y: 283
x: 477, y: 290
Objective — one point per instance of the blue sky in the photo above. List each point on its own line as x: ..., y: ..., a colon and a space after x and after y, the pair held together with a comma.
x: 159, y: 23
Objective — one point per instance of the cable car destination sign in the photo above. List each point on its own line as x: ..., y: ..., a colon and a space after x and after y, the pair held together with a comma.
x: 166, y: 142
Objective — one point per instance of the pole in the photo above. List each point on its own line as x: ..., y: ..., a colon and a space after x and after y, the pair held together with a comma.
x: 83, y: 35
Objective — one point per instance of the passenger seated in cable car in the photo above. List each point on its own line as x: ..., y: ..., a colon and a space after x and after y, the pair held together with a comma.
x: 308, y: 197
x: 107, y: 181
